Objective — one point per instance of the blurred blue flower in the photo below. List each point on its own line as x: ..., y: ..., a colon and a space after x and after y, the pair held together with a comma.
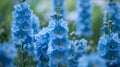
x: 92, y: 60
x: 71, y: 52
x: 80, y: 46
x: 76, y: 50
x: 61, y: 4
x: 35, y: 24
x: 113, y: 11
x: 108, y: 48
x: 84, y: 18
x: 7, y: 55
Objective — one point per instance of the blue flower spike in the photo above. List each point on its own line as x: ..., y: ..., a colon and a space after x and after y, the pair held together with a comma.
x: 109, y: 44
x: 84, y: 18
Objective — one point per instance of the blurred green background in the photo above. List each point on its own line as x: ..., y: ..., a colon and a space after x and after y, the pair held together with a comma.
x: 42, y: 8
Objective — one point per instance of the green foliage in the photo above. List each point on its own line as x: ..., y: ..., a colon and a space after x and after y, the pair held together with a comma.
x: 24, y: 60
x: 96, y: 24
x: 5, y: 22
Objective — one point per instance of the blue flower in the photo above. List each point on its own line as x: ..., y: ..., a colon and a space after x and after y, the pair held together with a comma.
x: 22, y: 10
x: 59, y: 31
x: 108, y: 48
x: 113, y: 11
x: 84, y: 18
x: 75, y: 51
x: 57, y: 57
x: 59, y: 43
x: 35, y: 23
x: 41, y: 47
x: 80, y: 46
x: 91, y: 60
x: 22, y: 32
x: 58, y: 27
x: 71, y: 52
x: 42, y: 41
x: 102, y: 45
x: 61, y: 4
x: 7, y: 55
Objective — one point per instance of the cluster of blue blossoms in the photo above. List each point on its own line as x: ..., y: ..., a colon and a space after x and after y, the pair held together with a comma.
x: 76, y: 50
x: 114, y: 13
x: 108, y: 46
x: 84, y: 18
x: 41, y: 45
x: 63, y: 52
x: 50, y: 45
x: 109, y: 43
x: 25, y: 25
x: 58, y: 43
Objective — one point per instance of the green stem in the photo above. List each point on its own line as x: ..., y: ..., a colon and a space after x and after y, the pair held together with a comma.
x: 23, y: 57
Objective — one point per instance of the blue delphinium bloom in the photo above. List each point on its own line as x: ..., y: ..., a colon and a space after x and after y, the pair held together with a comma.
x: 59, y: 31
x: 58, y: 58
x: 80, y: 46
x: 35, y: 24
x: 59, y: 43
x: 7, y: 55
x: 113, y: 10
x: 61, y: 4
x: 84, y: 18
x: 41, y: 46
x: 22, y: 31
x: 58, y: 26
x: 108, y: 48
x: 71, y: 59
x: 92, y: 60
x: 75, y: 51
